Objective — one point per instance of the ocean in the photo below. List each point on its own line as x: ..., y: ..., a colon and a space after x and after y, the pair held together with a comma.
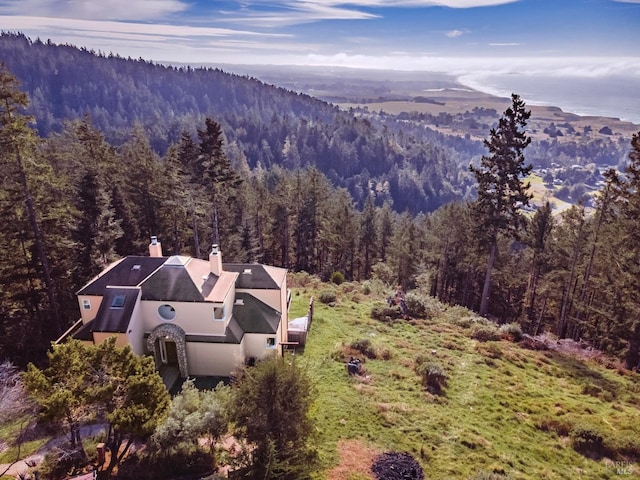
x: 606, y: 96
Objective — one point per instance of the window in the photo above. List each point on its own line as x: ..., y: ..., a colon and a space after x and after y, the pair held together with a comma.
x: 163, y: 351
x: 218, y: 313
x: 118, y: 301
x: 86, y: 304
x: 167, y: 312
x: 271, y: 342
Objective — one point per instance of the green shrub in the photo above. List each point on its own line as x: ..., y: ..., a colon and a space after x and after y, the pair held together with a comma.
x: 385, y: 313
x: 597, y: 392
x: 337, y: 278
x: 485, y: 333
x: 416, y: 305
x: 193, y: 464
x: 364, y: 346
x: 511, y: 331
x: 587, y: 440
x: 327, y: 296
x: 433, y: 375
x: 553, y: 424
x: 62, y: 462
x: 623, y: 444
x: 366, y: 287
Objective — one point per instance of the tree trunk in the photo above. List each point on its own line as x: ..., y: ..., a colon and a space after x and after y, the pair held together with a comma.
x: 486, y: 289
x: 196, y: 237
x: 533, y: 286
x: 40, y: 246
x: 632, y: 359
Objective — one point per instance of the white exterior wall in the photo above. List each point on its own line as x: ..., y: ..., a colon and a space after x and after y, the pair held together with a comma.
x: 214, y: 359
x: 228, y: 306
x: 135, y: 332
x: 194, y: 318
x: 256, y: 345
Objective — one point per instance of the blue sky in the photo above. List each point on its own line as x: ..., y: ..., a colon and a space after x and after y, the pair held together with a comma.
x: 580, y: 38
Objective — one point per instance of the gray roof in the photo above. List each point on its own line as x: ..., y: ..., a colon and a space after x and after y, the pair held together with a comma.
x: 233, y: 334
x: 255, y: 316
x: 258, y: 279
x: 85, y: 332
x: 115, y: 310
x: 129, y: 272
x: 171, y: 282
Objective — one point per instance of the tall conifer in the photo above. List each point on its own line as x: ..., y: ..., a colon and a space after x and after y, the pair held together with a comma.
x: 501, y: 190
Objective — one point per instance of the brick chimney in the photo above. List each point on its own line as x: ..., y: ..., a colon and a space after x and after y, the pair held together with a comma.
x: 155, y: 249
x: 215, y: 260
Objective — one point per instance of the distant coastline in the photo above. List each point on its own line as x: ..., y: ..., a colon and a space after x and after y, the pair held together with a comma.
x: 615, y: 97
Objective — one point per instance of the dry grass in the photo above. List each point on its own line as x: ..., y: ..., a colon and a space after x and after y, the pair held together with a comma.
x: 355, y: 461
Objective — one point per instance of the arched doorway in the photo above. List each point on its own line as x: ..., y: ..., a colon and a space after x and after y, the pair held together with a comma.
x: 167, y: 342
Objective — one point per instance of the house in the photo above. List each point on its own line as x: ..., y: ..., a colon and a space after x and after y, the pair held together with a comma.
x: 197, y: 317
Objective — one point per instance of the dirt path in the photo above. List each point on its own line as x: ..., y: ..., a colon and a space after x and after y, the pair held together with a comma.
x: 24, y: 465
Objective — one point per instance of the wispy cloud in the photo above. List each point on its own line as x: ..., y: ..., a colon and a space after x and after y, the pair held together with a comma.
x: 116, y: 29
x: 455, y: 33
x: 293, y: 12
x: 505, y: 44
x: 96, y: 10
x: 386, y: 3
x: 259, y: 13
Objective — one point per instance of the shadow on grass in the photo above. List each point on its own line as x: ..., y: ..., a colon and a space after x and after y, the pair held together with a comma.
x: 594, y: 382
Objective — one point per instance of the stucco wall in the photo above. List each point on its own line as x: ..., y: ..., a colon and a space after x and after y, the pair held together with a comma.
x: 135, y: 332
x: 193, y: 318
x: 214, y: 359
x: 89, y: 314
x: 121, y: 338
x: 256, y: 345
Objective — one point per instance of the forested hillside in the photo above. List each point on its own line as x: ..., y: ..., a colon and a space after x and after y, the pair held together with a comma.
x: 73, y: 199
x: 263, y: 125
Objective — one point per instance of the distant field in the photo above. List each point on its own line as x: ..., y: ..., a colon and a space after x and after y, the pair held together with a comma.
x: 542, y: 194
x: 460, y: 102
x: 505, y: 409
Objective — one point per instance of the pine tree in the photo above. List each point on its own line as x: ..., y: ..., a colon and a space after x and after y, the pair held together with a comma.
x: 368, y: 237
x: 270, y: 409
x: 538, y: 233
x: 18, y: 143
x: 501, y: 190
x: 628, y: 254
x: 222, y: 184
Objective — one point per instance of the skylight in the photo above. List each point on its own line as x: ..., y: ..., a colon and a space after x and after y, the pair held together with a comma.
x: 118, y: 301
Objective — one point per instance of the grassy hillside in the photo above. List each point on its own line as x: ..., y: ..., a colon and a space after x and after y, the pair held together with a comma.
x: 513, y: 411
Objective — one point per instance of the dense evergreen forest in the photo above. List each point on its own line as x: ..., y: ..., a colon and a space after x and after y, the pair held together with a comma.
x: 73, y: 199
x: 262, y: 125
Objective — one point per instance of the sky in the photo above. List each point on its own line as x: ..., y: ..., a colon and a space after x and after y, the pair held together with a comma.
x: 580, y: 38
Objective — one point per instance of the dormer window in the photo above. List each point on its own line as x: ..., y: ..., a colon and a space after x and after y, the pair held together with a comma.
x: 218, y: 313
x: 239, y: 301
x: 247, y: 271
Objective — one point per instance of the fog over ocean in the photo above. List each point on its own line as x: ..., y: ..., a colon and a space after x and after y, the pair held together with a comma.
x: 606, y: 96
